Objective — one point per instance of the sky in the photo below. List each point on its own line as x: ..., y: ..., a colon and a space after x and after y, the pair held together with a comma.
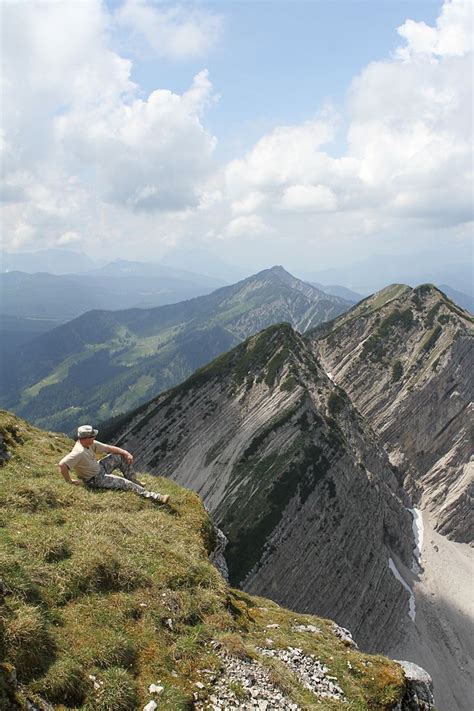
x: 309, y: 134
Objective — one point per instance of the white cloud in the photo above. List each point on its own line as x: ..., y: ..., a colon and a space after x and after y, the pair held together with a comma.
x: 249, y: 204
x: 77, y: 133
x: 246, y: 226
x: 409, y: 145
x: 87, y: 156
x: 452, y: 36
x: 68, y: 238
x: 176, y: 32
x: 309, y: 197
x: 148, y: 155
x: 287, y: 154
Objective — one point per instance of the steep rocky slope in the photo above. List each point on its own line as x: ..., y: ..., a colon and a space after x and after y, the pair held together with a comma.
x: 295, y: 478
x: 108, y: 602
x: 405, y: 358
x: 107, y: 362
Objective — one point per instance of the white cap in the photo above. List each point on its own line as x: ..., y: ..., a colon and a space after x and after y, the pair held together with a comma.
x: 86, y: 431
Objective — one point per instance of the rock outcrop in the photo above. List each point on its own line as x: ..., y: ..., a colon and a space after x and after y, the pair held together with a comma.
x: 294, y: 477
x: 419, y: 689
x: 404, y: 356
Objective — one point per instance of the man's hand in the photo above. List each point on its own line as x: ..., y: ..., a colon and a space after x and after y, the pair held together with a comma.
x: 76, y: 482
x: 118, y: 450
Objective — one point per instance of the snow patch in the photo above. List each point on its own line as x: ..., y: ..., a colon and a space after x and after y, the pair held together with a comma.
x: 411, y: 602
x: 418, y: 536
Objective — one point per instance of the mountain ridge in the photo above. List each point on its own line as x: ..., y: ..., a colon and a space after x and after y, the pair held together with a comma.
x: 403, y: 356
x: 259, y: 425
x: 133, y: 354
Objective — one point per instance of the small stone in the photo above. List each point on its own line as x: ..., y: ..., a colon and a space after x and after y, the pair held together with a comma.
x: 151, y: 706
x: 155, y: 689
x: 273, y: 627
x: 169, y: 623
x: 200, y: 685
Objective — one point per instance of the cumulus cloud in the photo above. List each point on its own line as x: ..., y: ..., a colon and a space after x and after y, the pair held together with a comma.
x: 452, y: 35
x: 246, y: 226
x: 309, y: 197
x: 87, y: 157
x: 77, y: 133
x: 176, y: 32
x: 409, y: 144
x: 148, y: 155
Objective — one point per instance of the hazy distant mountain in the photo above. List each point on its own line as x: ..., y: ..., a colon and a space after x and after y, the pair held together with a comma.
x: 125, y: 268
x: 49, y: 296
x: 463, y: 300
x: 106, y: 362
x: 204, y: 262
x: 52, y: 261
x: 15, y: 332
x: 336, y: 290
x: 374, y: 273
x: 118, y: 285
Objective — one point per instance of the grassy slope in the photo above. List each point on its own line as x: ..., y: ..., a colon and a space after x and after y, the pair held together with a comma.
x: 92, y: 579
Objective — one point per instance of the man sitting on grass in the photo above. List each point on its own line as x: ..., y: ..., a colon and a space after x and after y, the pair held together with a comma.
x: 98, y: 474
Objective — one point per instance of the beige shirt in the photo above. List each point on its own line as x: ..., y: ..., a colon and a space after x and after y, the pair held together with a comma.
x: 83, y: 459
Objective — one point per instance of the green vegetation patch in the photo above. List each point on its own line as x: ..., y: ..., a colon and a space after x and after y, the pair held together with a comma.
x: 375, y: 346
x: 397, y: 371
x: 267, y: 485
x: 429, y: 342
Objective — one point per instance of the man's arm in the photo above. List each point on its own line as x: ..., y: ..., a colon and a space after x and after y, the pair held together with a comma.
x: 64, y: 469
x: 118, y: 450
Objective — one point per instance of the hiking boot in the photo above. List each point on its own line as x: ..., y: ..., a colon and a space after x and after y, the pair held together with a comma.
x: 162, y: 498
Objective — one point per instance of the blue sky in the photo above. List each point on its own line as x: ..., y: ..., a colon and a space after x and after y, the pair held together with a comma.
x: 263, y: 132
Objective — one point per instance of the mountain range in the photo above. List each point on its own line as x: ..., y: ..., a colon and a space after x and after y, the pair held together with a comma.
x: 107, y: 362
x: 282, y: 461
x: 117, y: 285
x: 375, y: 272
x: 309, y: 450
x: 324, y: 446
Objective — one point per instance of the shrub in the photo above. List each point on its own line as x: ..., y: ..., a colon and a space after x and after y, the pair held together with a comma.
x: 28, y: 645
x: 117, y: 692
x: 336, y: 402
x: 65, y: 682
x: 431, y: 340
x: 397, y: 371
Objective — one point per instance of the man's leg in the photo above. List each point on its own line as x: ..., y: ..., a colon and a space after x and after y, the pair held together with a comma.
x: 102, y: 480
x: 116, y: 461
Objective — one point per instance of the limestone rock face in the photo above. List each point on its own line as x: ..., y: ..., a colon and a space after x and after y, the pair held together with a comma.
x: 294, y: 477
x: 405, y: 358
x: 419, y: 690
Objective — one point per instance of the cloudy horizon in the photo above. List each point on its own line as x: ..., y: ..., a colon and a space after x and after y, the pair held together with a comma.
x: 128, y: 129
